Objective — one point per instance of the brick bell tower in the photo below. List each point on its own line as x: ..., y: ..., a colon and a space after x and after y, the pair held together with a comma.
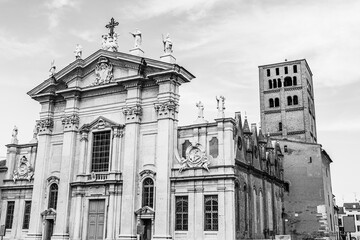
x: 287, y: 100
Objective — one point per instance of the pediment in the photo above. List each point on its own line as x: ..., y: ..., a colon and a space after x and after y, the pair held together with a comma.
x: 146, y: 210
x: 107, y: 69
x: 100, y: 123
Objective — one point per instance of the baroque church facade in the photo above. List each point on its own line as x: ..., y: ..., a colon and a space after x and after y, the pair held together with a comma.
x: 109, y: 161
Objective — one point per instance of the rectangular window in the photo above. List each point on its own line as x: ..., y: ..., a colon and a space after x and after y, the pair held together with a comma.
x: 295, y: 68
x: 27, y: 211
x: 211, y: 213
x: 357, y: 216
x: 277, y: 71
x: 358, y: 228
x: 286, y: 70
x: 100, y: 152
x: 181, y: 213
x: 268, y: 72
x: 9, y: 214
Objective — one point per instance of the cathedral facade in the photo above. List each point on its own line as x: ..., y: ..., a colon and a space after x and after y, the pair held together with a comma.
x: 109, y: 161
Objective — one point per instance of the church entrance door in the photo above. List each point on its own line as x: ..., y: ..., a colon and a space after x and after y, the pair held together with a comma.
x: 49, y: 227
x: 147, y: 229
x: 96, y: 219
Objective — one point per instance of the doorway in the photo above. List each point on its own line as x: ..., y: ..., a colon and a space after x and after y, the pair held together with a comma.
x: 147, y: 229
x: 96, y: 219
x: 49, y: 227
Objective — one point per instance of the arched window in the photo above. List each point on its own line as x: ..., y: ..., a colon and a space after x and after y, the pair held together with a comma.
x: 294, y: 81
x: 270, y: 84
x: 289, y: 100
x: 277, y: 102
x: 271, y: 102
x: 295, y: 100
x: 295, y: 69
x: 274, y: 83
x: 53, y: 196
x: 279, y: 82
x: 148, y: 192
x: 280, y: 126
x: 287, y: 82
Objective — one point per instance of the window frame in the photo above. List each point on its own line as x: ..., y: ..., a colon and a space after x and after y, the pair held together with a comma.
x: 213, y: 213
x: 27, y: 213
x: 53, y: 196
x: 183, y: 215
x: 148, y: 197
x: 93, y: 133
x: 9, y: 217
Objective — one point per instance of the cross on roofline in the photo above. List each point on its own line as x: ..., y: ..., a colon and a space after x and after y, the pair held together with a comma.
x: 111, y: 25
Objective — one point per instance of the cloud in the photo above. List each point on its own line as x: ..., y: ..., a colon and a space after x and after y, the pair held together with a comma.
x: 55, y: 9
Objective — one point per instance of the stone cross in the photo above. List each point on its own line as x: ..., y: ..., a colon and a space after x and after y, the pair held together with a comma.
x: 220, y: 106
x: 111, y: 25
x: 200, y: 107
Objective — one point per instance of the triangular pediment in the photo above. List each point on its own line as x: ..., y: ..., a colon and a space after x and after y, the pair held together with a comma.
x: 103, y: 68
x: 100, y: 123
x: 146, y: 210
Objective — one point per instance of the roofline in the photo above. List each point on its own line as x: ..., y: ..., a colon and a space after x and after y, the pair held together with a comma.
x: 326, y: 155
x: 287, y: 62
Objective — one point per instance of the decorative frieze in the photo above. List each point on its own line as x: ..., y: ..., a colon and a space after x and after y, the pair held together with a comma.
x: 70, y: 121
x: 24, y: 170
x: 132, y: 113
x: 166, y: 109
x: 45, y: 125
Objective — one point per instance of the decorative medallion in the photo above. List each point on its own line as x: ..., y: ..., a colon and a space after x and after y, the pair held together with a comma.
x: 195, y: 157
x: 103, y: 72
x: 24, y: 170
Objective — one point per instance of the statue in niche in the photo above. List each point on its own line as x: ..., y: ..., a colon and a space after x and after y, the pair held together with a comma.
x: 221, y: 106
x: 78, y: 51
x: 137, y: 38
x: 167, y: 44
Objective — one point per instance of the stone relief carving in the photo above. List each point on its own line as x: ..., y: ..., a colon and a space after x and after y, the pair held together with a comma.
x: 24, y: 170
x: 103, y: 72
x: 72, y: 119
x: 195, y: 157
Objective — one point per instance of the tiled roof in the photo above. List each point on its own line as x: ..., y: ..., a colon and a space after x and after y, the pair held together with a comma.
x: 354, y: 205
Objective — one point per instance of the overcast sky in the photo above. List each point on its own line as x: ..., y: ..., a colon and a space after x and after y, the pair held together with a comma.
x: 221, y: 42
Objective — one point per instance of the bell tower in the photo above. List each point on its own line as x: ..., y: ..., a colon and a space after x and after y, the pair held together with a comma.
x: 287, y: 100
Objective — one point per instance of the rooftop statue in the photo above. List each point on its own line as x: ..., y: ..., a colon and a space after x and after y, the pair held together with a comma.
x: 137, y: 38
x: 109, y: 41
x: 14, y: 135
x: 221, y: 106
x: 52, y: 68
x: 167, y: 44
x: 78, y: 51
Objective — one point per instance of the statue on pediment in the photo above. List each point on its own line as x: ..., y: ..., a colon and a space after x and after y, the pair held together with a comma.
x: 14, y: 134
x: 110, y: 43
x: 137, y: 38
x: 52, y: 69
x: 167, y: 44
x: 103, y: 71
x: 78, y: 51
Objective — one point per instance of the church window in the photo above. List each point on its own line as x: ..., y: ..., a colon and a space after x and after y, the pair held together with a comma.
x: 261, y: 210
x: 237, y: 206
x: 287, y: 82
x: 181, y: 215
x: 255, y: 210
x: 289, y: 100
x: 286, y: 70
x: 53, y: 196
x: 148, y: 192
x: 27, y: 211
x: 280, y: 126
x: 9, y: 214
x: 185, y: 145
x: 214, y: 147
x: 277, y: 102
x: 270, y: 84
x: 271, y: 102
x: 211, y: 213
x: 279, y: 82
x: 294, y: 81
x: 295, y: 69
x: 101, y: 151
x: 268, y: 72
x: 295, y: 100
x: 274, y: 83
x: 277, y: 71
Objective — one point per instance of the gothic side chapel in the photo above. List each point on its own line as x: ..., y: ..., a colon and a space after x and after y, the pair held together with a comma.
x: 109, y: 161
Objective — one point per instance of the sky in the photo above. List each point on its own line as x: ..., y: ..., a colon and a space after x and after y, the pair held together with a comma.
x: 222, y: 42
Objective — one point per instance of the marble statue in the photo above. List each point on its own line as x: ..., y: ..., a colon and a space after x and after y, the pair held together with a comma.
x: 52, y: 68
x: 200, y: 107
x: 110, y: 43
x: 137, y: 38
x: 78, y: 51
x: 14, y: 135
x: 221, y: 106
x: 167, y: 44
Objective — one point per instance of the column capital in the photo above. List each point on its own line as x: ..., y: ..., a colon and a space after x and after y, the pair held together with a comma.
x: 70, y: 122
x: 166, y: 109
x: 45, y: 125
x: 133, y: 113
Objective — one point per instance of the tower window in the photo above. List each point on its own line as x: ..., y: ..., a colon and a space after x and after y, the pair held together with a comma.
x: 279, y: 82
x: 277, y: 103
x: 294, y: 81
x: 271, y: 102
x: 295, y: 100
x: 181, y: 213
x: 286, y: 70
x: 289, y: 100
x: 101, y: 152
x: 268, y: 72
x: 53, y: 196
x: 211, y: 213
x: 274, y: 83
x: 287, y: 82
x: 270, y: 84
x: 280, y: 126
x: 148, y: 192
x: 277, y: 71
x: 295, y: 68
